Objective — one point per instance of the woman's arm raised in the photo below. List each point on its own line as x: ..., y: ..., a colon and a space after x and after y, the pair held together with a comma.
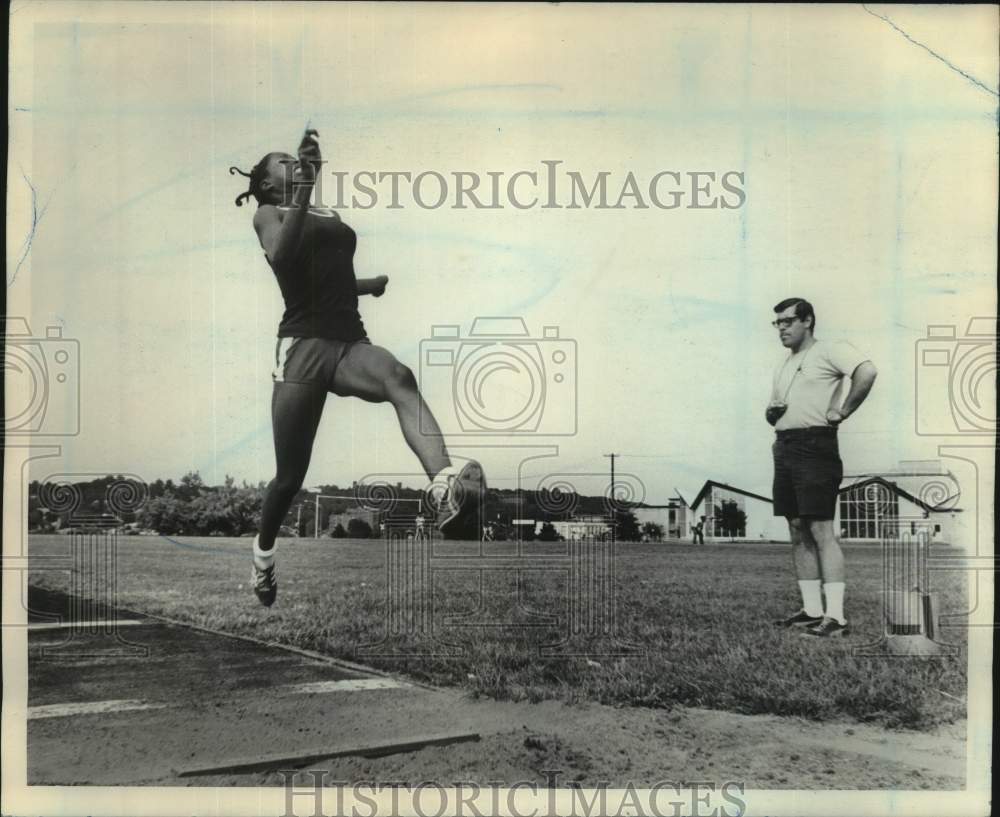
x: 280, y: 237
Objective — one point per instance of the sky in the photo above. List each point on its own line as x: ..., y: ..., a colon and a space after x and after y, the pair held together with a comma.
x: 866, y: 137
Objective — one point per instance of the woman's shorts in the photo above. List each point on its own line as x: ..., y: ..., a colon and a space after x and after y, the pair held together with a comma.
x: 807, y: 473
x: 312, y: 361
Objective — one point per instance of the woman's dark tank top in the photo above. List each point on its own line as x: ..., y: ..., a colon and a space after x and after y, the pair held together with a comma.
x: 318, y: 285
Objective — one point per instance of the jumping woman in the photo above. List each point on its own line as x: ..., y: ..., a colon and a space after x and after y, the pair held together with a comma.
x: 322, y: 347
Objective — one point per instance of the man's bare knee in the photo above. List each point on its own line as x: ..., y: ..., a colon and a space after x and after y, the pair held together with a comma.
x: 801, y: 532
x: 821, y: 531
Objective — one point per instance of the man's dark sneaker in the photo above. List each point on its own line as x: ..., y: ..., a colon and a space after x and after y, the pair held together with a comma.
x: 800, y: 619
x: 828, y: 628
x: 465, y: 489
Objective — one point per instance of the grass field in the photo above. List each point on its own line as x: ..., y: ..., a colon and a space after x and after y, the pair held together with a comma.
x: 699, y: 617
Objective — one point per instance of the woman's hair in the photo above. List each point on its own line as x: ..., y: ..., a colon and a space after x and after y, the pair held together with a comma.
x: 256, y: 176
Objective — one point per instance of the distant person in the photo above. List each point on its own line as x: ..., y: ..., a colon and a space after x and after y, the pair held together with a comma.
x: 806, y: 411
x: 698, y: 532
x: 323, y: 347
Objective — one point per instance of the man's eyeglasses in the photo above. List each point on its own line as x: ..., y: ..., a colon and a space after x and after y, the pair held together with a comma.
x: 784, y: 323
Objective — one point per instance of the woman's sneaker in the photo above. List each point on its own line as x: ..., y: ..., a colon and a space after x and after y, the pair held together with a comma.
x: 462, y: 495
x: 264, y: 583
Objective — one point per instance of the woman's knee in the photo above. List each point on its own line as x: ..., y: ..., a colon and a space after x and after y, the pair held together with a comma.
x: 286, y: 485
x: 400, y: 380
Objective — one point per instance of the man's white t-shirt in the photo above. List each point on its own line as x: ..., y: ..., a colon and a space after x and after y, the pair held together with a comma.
x: 814, y: 380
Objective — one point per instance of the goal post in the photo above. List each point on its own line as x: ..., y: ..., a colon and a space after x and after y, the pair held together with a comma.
x: 396, y: 507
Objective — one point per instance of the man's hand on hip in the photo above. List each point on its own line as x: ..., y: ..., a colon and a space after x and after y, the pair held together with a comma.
x: 835, y: 416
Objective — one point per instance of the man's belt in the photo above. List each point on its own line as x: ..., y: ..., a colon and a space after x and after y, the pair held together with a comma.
x: 811, y: 431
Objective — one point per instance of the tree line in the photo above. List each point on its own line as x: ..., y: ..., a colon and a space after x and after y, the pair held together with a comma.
x: 189, y: 507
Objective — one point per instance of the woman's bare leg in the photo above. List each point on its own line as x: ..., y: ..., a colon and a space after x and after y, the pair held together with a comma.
x: 373, y: 374
x: 296, y: 409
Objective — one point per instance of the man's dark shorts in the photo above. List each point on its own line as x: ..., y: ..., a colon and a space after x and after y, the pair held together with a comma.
x: 807, y: 472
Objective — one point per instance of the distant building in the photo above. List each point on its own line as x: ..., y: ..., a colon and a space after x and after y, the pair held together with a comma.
x: 583, y: 527
x: 917, y: 494
x: 672, y: 517
x: 735, y: 514
x: 579, y: 527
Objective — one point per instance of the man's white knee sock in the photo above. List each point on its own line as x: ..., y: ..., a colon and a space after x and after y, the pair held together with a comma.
x: 812, y: 601
x: 835, y: 601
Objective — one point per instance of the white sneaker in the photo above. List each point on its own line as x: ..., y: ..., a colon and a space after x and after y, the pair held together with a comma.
x: 462, y: 494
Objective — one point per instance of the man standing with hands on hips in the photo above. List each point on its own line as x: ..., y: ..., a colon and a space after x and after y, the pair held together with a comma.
x: 806, y: 411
